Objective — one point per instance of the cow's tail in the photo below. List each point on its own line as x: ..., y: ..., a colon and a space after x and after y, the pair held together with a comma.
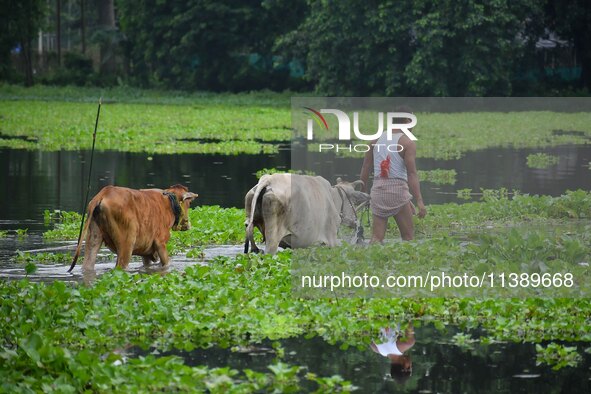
x: 259, y: 191
x: 95, y: 212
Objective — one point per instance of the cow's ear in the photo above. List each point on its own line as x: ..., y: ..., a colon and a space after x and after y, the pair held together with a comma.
x: 189, y: 196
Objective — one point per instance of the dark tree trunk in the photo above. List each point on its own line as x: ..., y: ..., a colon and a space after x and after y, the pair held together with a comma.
x: 26, y: 37
x: 58, y: 13
x: 106, y: 11
x: 83, y: 26
x: 583, y: 38
x: 582, y: 48
x: 28, y: 64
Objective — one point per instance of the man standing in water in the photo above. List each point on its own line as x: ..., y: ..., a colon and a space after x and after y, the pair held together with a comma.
x: 395, y: 172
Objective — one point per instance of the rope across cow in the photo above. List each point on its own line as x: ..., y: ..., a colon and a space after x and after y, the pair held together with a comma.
x: 175, y: 206
x: 358, y: 235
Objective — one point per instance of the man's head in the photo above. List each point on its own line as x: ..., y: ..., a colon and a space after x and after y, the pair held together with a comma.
x: 184, y: 198
x: 401, y: 369
x: 405, y: 109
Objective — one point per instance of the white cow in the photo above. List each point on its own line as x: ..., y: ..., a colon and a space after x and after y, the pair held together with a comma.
x: 298, y: 211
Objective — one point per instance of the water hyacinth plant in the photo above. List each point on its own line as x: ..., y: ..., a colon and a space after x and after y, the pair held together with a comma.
x: 541, y: 160
x: 66, y: 334
x: 156, y: 122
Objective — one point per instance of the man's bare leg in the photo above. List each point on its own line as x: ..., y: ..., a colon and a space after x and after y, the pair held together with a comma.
x: 404, y: 222
x: 379, y: 226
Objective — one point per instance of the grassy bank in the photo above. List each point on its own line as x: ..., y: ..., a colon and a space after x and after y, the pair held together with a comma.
x: 174, y: 122
x: 142, y: 96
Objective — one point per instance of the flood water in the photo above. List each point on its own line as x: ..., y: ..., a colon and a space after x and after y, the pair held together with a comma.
x: 438, y: 365
x: 34, y: 181
x: 34, y: 243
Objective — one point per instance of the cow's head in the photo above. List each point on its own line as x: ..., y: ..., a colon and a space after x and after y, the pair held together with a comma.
x: 183, y: 198
x: 351, y: 200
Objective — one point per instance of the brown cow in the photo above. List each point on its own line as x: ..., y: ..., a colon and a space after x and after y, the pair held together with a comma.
x: 134, y: 222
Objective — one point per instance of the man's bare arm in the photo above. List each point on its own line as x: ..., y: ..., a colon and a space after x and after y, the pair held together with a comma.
x: 366, y: 168
x: 410, y: 153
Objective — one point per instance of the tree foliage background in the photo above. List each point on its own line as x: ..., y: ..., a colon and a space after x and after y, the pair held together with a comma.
x: 335, y: 47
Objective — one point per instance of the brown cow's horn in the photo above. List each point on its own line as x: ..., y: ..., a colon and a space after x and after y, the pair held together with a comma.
x: 189, y: 195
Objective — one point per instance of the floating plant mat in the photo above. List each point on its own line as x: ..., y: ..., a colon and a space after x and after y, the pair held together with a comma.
x: 157, y: 122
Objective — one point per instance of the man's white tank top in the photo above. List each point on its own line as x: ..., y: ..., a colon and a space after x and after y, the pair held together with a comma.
x: 387, y: 162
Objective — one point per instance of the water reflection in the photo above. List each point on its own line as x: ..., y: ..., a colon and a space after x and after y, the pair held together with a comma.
x: 439, y: 364
x: 394, y: 344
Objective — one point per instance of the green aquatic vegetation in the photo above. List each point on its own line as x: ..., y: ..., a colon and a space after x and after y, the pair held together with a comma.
x: 21, y: 232
x: 464, y: 341
x: 550, y: 260
x: 153, y: 128
x: 43, y: 258
x: 196, y: 253
x: 499, y: 209
x: 464, y: 194
x: 126, y: 94
x: 541, y: 160
x: 30, y: 268
x: 269, y: 171
x: 438, y: 176
x: 66, y: 225
x: 330, y: 384
x: 58, y: 331
x: 135, y: 120
x: 53, y: 369
x: 557, y: 356
x: 468, y: 132
x: 210, y: 225
x: 3, y: 233
x: 448, y: 136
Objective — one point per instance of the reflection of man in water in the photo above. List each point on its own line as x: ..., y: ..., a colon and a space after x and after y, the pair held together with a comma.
x: 395, y: 172
x: 392, y: 347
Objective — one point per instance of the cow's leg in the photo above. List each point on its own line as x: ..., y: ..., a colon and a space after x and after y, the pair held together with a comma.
x: 274, y: 216
x: 124, y: 252
x: 331, y: 229
x: 123, y: 236
x: 163, y: 253
x: 92, y: 246
x: 272, y: 243
x: 124, y: 245
x: 248, y: 208
x: 332, y: 239
x: 150, y: 258
x: 253, y: 246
